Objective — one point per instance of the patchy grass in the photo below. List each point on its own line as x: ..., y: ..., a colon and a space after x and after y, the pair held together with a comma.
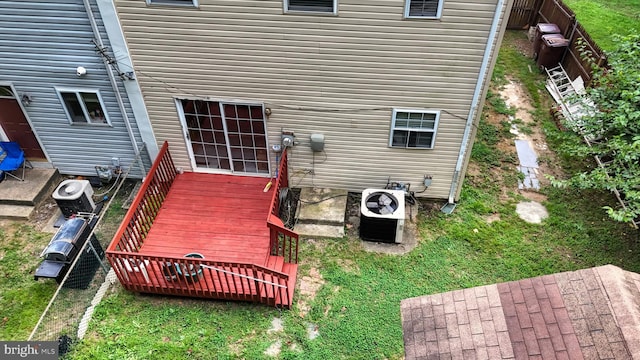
x: 604, y: 18
x: 357, y: 308
x: 22, y: 299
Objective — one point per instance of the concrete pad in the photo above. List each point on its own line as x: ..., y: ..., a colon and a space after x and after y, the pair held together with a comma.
x: 36, y: 185
x: 320, y: 230
x: 526, y: 155
x: 322, y: 206
x: 322, y: 212
x: 532, y: 212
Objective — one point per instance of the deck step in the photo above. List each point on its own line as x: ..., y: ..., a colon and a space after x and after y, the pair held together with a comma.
x: 292, y: 270
x: 275, y: 263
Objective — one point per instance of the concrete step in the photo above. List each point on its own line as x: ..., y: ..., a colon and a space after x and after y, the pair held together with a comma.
x: 322, y: 206
x: 320, y: 230
x: 37, y: 184
x: 16, y: 212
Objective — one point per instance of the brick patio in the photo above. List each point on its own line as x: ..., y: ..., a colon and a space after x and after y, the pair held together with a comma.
x: 586, y: 314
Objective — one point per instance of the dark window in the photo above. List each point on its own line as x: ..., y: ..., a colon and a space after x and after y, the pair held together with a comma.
x: 423, y: 8
x: 326, y: 6
x: 84, y: 107
x: 173, y: 2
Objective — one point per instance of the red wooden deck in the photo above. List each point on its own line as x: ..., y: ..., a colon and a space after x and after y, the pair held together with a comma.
x: 222, y: 217
x: 248, y: 253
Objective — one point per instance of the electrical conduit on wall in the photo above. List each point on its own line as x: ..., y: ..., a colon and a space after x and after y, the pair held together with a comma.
x: 112, y: 79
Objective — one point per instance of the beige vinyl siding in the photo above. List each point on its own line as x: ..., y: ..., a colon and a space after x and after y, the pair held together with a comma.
x: 306, y: 68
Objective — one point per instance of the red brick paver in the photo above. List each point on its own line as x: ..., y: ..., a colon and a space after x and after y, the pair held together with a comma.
x: 586, y: 314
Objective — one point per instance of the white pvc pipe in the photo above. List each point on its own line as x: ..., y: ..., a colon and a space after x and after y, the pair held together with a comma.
x: 476, y: 98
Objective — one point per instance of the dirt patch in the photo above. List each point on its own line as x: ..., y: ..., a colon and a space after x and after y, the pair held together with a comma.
x: 349, y: 266
x: 516, y: 97
x: 276, y: 325
x: 492, y: 218
x: 523, y: 45
x: 307, y: 290
x: 44, y: 214
x: 534, y: 196
x: 274, y: 349
x: 525, y: 127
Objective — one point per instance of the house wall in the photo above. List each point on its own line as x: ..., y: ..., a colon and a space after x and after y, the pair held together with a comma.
x: 42, y: 44
x: 336, y: 75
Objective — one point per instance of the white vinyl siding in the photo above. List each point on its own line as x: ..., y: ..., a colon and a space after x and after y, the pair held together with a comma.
x: 340, y: 76
x: 83, y: 106
x: 414, y: 129
x: 311, y: 6
x: 424, y: 9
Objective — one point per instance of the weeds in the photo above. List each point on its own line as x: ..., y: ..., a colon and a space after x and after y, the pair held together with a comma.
x: 357, y: 312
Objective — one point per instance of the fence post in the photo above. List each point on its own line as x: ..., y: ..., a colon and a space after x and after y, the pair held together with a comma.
x: 574, y: 21
x: 533, y: 17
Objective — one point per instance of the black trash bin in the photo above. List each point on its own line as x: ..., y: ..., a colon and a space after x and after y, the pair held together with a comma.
x: 541, y: 30
x: 551, y: 51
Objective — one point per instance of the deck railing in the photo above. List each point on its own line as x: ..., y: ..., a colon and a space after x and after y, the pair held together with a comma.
x: 146, y: 205
x: 283, y: 242
x: 202, y: 278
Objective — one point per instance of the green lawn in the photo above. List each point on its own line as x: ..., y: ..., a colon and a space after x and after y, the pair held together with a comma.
x: 603, y: 18
x: 22, y: 299
x: 357, y: 309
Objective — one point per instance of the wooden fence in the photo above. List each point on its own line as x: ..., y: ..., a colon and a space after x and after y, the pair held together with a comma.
x: 526, y: 13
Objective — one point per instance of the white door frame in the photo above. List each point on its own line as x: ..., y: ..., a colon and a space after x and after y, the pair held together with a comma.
x: 26, y: 116
x: 192, y: 159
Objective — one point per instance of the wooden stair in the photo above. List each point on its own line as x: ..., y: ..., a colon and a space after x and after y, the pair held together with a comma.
x: 277, y: 263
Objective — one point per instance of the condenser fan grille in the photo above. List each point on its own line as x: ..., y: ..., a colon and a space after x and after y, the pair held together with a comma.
x: 69, y: 189
x: 382, y: 203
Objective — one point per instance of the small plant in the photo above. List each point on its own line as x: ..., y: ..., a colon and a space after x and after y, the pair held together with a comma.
x: 499, y: 105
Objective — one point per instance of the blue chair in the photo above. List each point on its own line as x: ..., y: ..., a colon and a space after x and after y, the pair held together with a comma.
x: 12, y: 159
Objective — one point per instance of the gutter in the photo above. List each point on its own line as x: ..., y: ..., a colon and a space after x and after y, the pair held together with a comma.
x: 112, y: 79
x: 482, y: 76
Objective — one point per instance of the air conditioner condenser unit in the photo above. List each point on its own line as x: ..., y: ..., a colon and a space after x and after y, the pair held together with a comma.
x: 74, y: 196
x: 382, y: 214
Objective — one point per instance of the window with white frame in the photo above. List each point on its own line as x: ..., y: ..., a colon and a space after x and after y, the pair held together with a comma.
x: 414, y: 128
x: 83, y: 106
x: 173, y: 2
x: 316, y: 6
x: 428, y: 9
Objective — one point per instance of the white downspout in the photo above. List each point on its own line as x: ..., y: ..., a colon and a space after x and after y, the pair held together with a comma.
x: 112, y: 79
x: 493, y: 34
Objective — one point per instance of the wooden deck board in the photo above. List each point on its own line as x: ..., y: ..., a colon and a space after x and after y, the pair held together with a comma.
x: 219, y: 216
